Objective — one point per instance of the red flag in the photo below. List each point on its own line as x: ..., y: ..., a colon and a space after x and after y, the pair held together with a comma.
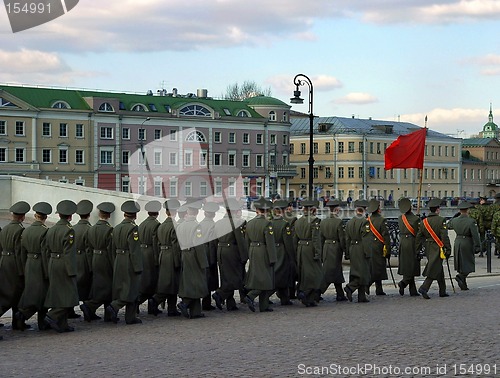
x: 407, y: 151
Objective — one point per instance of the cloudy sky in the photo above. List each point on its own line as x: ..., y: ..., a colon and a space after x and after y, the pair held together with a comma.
x: 385, y: 59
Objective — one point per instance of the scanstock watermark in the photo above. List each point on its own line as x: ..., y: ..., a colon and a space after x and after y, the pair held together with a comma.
x: 26, y: 14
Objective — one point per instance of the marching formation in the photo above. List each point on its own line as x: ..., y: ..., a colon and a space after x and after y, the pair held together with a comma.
x: 49, y: 271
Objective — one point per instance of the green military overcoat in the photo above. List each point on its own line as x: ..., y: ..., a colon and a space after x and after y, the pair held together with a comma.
x: 100, y: 239
x: 378, y: 261
x: 170, y: 258
x: 11, y: 266
x: 150, y: 255
x: 207, y: 226
x: 409, y: 264
x: 333, y: 234
x: 357, y: 230
x: 467, y: 243
x: 285, y: 253
x: 83, y: 259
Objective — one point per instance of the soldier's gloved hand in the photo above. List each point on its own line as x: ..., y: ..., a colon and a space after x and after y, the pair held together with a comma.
x: 386, y: 252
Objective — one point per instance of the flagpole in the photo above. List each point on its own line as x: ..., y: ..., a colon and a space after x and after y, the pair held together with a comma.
x: 419, y: 195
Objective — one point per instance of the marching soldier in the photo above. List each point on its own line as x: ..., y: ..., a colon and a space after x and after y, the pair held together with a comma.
x: 285, y: 252
x: 100, y: 239
x: 60, y: 253
x: 495, y: 229
x: 379, y: 245
x: 467, y: 242
x: 291, y: 219
x: 127, y: 266
x: 12, y: 261
x: 150, y: 254
x: 409, y: 262
x: 333, y: 234
x: 83, y: 253
x: 193, y: 280
x: 207, y: 226
x: 487, y: 211
x: 35, y: 271
x: 437, y: 248
x: 260, y: 242
x: 182, y: 212
x: 357, y: 230
x: 475, y: 214
x: 308, y: 244
x: 232, y: 255
x: 169, y: 263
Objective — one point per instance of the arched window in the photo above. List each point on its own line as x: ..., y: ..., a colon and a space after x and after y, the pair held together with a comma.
x: 195, y: 136
x: 285, y: 117
x: 272, y: 115
x: 195, y: 110
x: 243, y: 113
x: 106, y: 107
x: 60, y: 105
x: 139, y: 108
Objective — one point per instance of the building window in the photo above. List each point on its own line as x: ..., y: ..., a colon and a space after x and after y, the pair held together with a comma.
x: 63, y: 130
x: 3, y: 127
x: 350, y: 147
x: 157, y: 134
x: 341, y: 172
x: 433, y: 150
x: 292, y: 148
x: 303, y: 148
x: 203, y: 158
x: 218, y: 188
x: 327, y: 147
x: 246, y: 138
x: 453, y: 174
x: 126, y: 185
x: 203, y: 189
x: 259, y: 190
x: 231, y: 159
x: 285, y: 117
x: 341, y: 147
x: 232, y: 138
x: 157, y: 157
x: 246, y: 188
x: 195, y: 110
x: 138, y: 108
x: 106, y: 107
x: 272, y: 139
x: 20, y: 128
x: 272, y: 115
x: 46, y: 130
x: 141, y: 134
x: 246, y: 160
x: 63, y: 155
x: 188, y: 189
x: 453, y: 151
x: 173, y: 188
x: 242, y: 113
x: 361, y: 147
x: 371, y: 147
x: 195, y: 136
x: 302, y: 173
x: 125, y: 157
x: 173, y: 135
x: 439, y: 150
x: 106, y: 156
x: 172, y: 158
x: 259, y: 160
x: 285, y: 140
x: 106, y: 133
x: 19, y: 155
x: 79, y: 157
x: 315, y: 148
x: 259, y: 139
x: 315, y: 173
x: 46, y: 155
x: 231, y: 187
x: 328, y: 172
x: 361, y: 173
x: 188, y: 158
x: 465, y: 174
x: 141, y: 183
x: 126, y: 133
x: 158, y: 187
x: 217, y: 137
x: 79, y: 131
x: 218, y: 159
x: 350, y: 172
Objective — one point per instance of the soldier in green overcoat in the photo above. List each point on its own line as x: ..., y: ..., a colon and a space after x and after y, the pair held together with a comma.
x: 285, y: 252
x: 475, y: 214
x: 60, y: 253
x: 148, y: 230
x: 193, y: 279
x: 232, y: 255
x: 35, y: 270
x: 435, y: 254
x: 12, y: 261
x: 290, y: 217
x: 207, y: 226
x: 467, y: 243
x: 409, y: 263
x: 169, y: 263
x: 379, y: 244
x: 100, y: 239
x: 333, y: 234
x: 127, y: 266
x: 308, y: 244
x: 357, y: 230
x: 83, y: 253
x: 261, y: 257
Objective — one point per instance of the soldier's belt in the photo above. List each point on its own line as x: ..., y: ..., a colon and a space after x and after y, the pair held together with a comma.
x: 121, y: 251
x: 408, y: 235
x: 304, y: 242
x: 164, y: 247
x: 146, y: 245
x: 56, y: 255
x: 353, y: 242
x: 98, y: 251
x: 188, y: 249
x: 34, y: 255
x: 277, y: 244
x: 330, y: 241
x: 79, y: 252
x: 7, y: 253
x: 464, y: 236
x: 224, y: 245
x: 256, y: 244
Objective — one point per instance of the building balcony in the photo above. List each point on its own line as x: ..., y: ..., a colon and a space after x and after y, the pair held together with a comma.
x: 282, y: 170
x: 20, y: 169
x: 493, y: 182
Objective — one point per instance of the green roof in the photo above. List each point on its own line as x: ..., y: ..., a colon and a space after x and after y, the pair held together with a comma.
x: 265, y: 100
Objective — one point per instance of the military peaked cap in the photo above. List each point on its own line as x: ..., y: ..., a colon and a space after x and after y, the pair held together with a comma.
x: 333, y: 203
x: 435, y: 202
x: 262, y: 204
x: 211, y: 207
x: 66, y: 207
x: 373, y: 205
x: 84, y: 207
x: 153, y: 207
x: 42, y: 208
x: 404, y: 205
x: 20, y: 207
x: 280, y: 204
x: 106, y: 207
x: 361, y: 203
x: 172, y: 204
x: 310, y: 203
x: 131, y: 207
x: 464, y: 205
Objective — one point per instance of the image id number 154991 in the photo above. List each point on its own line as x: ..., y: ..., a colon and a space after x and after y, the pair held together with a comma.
x: 474, y: 369
x: 27, y: 8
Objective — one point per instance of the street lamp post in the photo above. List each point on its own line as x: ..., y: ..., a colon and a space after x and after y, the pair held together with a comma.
x: 300, y: 80
x: 143, y: 162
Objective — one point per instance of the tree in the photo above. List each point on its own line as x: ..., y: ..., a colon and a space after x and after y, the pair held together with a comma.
x: 246, y: 90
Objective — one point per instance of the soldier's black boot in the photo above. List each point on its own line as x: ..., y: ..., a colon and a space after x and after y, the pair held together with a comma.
x: 153, y: 307
x: 72, y: 314
x: 340, y: 293
x: 413, y: 289
x: 401, y: 286
x: 362, y: 295
x: 378, y: 288
x: 206, y: 303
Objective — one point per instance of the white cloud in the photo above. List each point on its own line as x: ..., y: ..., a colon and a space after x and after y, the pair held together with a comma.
x: 283, y: 84
x: 358, y: 98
